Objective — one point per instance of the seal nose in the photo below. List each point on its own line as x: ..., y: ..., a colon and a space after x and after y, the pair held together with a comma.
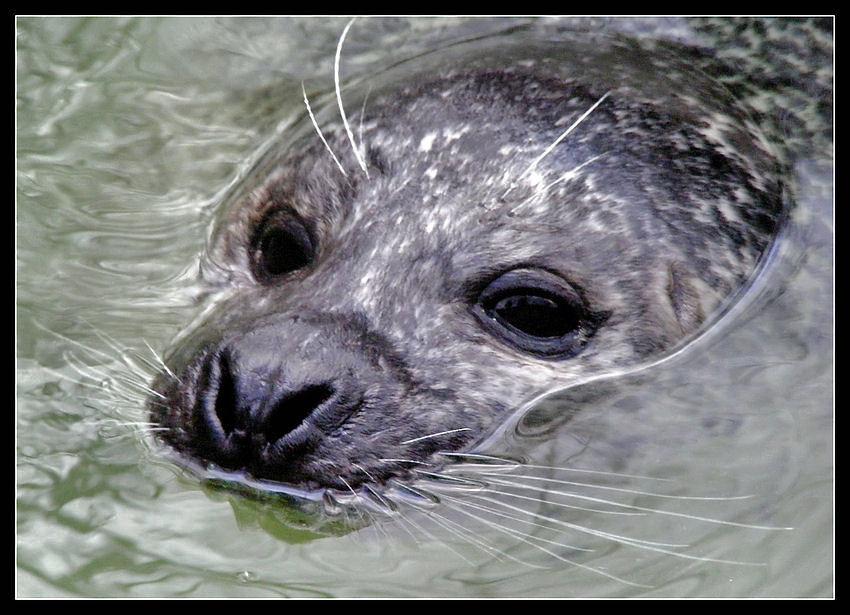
x: 279, y: 396
x: 252, y: 415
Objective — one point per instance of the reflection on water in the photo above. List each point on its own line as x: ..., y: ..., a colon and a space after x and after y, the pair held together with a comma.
x: 130, y: 131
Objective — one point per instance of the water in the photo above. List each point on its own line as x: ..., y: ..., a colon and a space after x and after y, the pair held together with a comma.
x: 130, y: 131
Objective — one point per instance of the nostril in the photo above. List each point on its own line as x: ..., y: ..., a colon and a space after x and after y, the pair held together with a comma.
x: 251, y: 415
x: 226, y: 403
x: 291, y: 411
x: 221, y: 434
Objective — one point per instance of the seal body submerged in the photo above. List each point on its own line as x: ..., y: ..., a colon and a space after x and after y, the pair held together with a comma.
x: 493, y: 222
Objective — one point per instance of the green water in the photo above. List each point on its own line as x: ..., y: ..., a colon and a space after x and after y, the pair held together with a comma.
x: 129, y: 132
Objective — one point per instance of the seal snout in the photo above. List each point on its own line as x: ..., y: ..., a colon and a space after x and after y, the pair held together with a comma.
x: 259, y: 408
x: 279, y: 397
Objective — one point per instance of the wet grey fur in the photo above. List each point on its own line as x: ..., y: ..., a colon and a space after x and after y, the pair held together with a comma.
x: 657, y: 208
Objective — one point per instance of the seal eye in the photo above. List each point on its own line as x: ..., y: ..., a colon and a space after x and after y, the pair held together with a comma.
x: 538, y: 312
x: 281, y: 244
x: 535, y: 315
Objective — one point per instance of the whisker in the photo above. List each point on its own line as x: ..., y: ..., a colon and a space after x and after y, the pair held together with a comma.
x: 399, y: 515
x: 466, y: 534
x: 385, y: 502
x: 434, y: 435
x: 421, y: 528
x: 637, y: 543
x: 561, y: 469
x: 532, y: 541
x: 574, y: 506
x: 78, y: 344
x: 573, y: 172
x: 359, y: 510
x: 623, y: 489
x: 573, y: 526
x: 319, y: 132
x: 516, y: 518
x: 568, y: 176
x: 634, y: 542
x: 357, y: 153
x: 487, y: 460
x: 120, y: 423
x: 129, y: 380
x: 643, y: 508
x: 160, y: 362
x: 67, y: 378
x: 362, y: 115
x: 455, y: 480
x: 94, y: 373
x: 418, y: 492
x: 415, y: 530
x: 135, y: 433
x: 560, y: 138
x: 121, y: 350
x: 397, y: 460
x: 403, y: 521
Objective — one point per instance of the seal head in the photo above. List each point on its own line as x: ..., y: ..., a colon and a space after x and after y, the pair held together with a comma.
x: 497, y: 222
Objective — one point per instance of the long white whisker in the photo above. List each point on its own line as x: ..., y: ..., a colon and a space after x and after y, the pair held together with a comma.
x: 357, y: 508
x: 319, y: 131
x: 420, y: 527
x: 87, y: 370
x: 640, y: 544
x: 640, y: 508
x: 620, y: 489
x: 160, y: 362
x: 145, y: 424
x: 357, y: 153
x: 561, y: 469
x: 568, y: 176
x: 637, y: 543
x: 434, y: 435
x: 385, y: 502
x: 121, y: 351
x: 465, y: 534
x: 510, y: 517
x: 533, y: 540
x: 572, y: 526
x: 398, y: 460
x: 572, y: 172
x: 450, y: 478
x: 152, y: 366
x: 574, y: 506
x: 89, y: 349
x: 560, y: 138
x: 418, y: 492
x: 416, y: 530
x: 362, y: 115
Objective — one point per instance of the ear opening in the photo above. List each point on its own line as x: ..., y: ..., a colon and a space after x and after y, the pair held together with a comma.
x: 685, y: 297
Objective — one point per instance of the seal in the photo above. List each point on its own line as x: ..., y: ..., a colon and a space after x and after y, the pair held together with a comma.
x: 497, y: 221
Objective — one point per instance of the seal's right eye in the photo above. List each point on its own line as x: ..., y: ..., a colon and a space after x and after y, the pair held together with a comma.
x: 281, y: 244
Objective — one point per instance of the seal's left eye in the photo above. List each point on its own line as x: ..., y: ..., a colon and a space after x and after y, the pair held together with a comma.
x: 281, y: 244
x: 536, y: 315
x: 537, y: 312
